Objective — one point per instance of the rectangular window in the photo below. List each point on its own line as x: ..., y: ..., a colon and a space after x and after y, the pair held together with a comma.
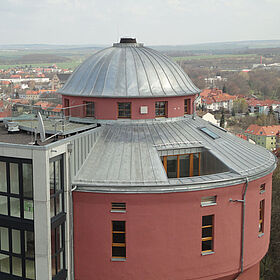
x: 161, y: 108
x: 261, y: 217
x: 58, y: 216
x: 66, y: 107
x: 207, y: 234
x: 56, y: 186
x: 262, y: 188
x: 208, y: 200
x: 118, y: 207
x: 187, y: 105
x: 179, y: 166
x: 124, y: 110
x: 89, y: 109
x: 118, y: 239
x: 17, y: 255
x: 58, y: 249
x: 16, y: 188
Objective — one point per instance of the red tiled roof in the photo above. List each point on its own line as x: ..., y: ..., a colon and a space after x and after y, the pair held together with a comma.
x: 270, y: 130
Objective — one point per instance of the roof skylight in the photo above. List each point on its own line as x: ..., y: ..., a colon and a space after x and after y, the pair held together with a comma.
x: 209, y: 132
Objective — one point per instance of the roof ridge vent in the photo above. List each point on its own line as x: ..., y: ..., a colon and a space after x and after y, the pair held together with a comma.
x: 128, y: 41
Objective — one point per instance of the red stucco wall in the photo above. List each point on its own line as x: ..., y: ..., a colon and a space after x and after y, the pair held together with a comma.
x: 163, y: 235
x: 106, y: 108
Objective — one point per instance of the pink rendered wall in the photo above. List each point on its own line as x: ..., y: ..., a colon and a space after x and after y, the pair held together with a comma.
x: 163, y: 234
x: 106, y: 108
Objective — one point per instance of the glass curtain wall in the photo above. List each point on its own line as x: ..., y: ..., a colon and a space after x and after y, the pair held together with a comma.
x: 58, y: 218
x: 17, y: 249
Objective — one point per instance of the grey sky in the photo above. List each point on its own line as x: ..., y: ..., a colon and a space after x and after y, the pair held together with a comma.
x: 154, y: 22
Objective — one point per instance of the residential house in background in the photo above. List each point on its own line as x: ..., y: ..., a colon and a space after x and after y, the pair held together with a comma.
x: 214, y: 100
x: 59, y: 80
x: 263, y: 135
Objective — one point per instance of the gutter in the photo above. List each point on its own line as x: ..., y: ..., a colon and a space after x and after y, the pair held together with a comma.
x: 243, y: 201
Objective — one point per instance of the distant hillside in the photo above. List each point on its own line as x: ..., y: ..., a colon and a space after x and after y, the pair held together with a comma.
x: 254, y: 44
x: 40, y: 58
x: 240, y: 45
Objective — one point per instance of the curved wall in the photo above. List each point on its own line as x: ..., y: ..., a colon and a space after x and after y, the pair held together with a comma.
x: 163, y: 234
x: 106, y: 108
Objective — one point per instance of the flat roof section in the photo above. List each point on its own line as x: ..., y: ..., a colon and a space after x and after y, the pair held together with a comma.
x: 27, y: 128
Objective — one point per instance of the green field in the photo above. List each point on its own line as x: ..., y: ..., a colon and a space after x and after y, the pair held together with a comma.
x: 214, y: 56
x: 64, y: 65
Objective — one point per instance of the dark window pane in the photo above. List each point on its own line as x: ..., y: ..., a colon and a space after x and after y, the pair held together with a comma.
x: 118, y: 237
x: 160, y: 108
x: 4, y: 263
x: 119, y: 252
x: 3, y: 177
x: 29, y: 244
x: 172, y: 167
x: 27, y: 180
x: 89, y: 109
x: 207, y: 245
x: 124, y: 110
x: 184, y: 166
x: 118, y: 225
x: 207, y: 232
x: 195, y: 164
x: 207, y: 220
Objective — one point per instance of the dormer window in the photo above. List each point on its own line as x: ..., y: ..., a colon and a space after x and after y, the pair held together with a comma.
x: 161, y: 108
x: 124, y: 110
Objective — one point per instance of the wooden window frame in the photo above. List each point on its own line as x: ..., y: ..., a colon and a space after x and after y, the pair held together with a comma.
x: 187, y: 104
x: 126, y: 116
x: 261, y: 217
x: 159, y: 108
x: 118, y: 244
x: 178, y: 164
x: 208, y: 238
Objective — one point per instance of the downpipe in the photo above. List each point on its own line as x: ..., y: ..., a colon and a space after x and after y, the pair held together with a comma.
x: 243, y: 201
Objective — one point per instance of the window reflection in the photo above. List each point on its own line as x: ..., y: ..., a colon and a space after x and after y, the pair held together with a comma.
x: 3, y: 205
x: 27, y: 180
x: 14, y: 182
x: 3, y: 177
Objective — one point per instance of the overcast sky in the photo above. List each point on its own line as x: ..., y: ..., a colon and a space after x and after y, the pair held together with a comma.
x: 154, y: 22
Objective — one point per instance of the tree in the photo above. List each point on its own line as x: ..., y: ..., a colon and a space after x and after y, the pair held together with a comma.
x: 222, y: 121
x: 224, y: 88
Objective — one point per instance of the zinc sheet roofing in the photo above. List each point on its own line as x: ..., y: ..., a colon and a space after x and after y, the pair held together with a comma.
x: 126, y: 157
x: 129, y: 70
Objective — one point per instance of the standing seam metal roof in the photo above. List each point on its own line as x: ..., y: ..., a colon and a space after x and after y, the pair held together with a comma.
x: 129, y: 70
x: 126, y: 156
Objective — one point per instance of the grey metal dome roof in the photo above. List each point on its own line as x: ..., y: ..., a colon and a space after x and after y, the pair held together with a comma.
x: 129, y: 70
